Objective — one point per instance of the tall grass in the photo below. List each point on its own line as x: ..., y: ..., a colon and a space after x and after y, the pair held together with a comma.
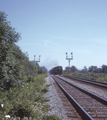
x: 29, y: 99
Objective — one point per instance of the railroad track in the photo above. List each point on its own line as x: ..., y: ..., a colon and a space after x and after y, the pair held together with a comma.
x: 101, y: 91
x: 93, y: 82
x: 89, y: 107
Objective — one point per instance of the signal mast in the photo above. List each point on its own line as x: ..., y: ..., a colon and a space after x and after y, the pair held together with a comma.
x: 69, y: 59
x: 37, y: 62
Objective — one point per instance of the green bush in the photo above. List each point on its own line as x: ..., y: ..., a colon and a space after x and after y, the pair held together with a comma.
x: 91, y: 76
x: 22, y: 86
x: 29, y: 99
x: 30, y: 79
x: 21, y: 111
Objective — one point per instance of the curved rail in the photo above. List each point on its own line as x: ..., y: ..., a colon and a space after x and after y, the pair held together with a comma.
x: 98, y: 98
x: 84, y: 115
x: 97, y: 83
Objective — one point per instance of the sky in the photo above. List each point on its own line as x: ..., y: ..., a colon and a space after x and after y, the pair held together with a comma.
x: 51, y: 28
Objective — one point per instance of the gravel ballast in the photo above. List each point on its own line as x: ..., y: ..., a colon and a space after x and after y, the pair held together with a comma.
x: 55, y: 102
x: 91, y: 88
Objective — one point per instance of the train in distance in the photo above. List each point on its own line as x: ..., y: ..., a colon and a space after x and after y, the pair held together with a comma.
x: 56, y: 70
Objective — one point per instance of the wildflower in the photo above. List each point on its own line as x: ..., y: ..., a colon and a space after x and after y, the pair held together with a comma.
x: 2, y: 105
x: 7, y: 116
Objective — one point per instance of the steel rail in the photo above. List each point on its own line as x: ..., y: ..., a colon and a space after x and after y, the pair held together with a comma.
x: 84, y: 115
x: 98, y: 98
x: 86, y: 79
x: 89, y: 81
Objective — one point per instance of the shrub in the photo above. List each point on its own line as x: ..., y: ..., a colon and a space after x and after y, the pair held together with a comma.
x: 21, y: 111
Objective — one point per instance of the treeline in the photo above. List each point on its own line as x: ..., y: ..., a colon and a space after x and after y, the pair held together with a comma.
x: 93, y: 69
x: 15, y: 66
x: 93, y: 72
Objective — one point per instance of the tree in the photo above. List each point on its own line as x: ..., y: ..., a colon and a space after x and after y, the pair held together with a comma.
x: 66, y: 68
x: 85, y: 68
x: 8, y: 62
x: 104, y: 68
x: 93, y: 69
x: 44, y: 68
x: 15, y: 66
x: 73, y: 69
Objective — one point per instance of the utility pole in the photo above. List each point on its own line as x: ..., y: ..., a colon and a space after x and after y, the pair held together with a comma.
x: 37, y: 62
x: 69, y: 59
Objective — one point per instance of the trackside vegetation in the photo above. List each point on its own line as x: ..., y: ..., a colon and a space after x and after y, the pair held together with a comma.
x: 28, y: 101
x: 22, y: 86
x: 92, y: 73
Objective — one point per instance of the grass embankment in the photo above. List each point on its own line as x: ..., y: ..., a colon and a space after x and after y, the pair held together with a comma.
x: 90, y: 75
x: 27, y: 101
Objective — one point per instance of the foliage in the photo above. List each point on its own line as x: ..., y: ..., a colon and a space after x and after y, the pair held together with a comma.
x: 22, y: 111
x: 104, y: 68
x: 102, y: 78
x: 11, y: 71
x: 93, y: 69
x: 45, y: 89
x: 40, y: 70
x: 71, y: 69
x: 29, y: 99
x: 44, y: 69
x: 93, y: 72
x: 15, y: 67
x: 20, y: 86
x: 65, y: 72
x: 90, y: 75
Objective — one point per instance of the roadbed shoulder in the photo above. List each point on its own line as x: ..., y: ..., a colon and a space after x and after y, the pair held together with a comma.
x: 55, y: 102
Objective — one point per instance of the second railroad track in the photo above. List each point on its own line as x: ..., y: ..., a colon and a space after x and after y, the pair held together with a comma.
x: 88, y: 105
